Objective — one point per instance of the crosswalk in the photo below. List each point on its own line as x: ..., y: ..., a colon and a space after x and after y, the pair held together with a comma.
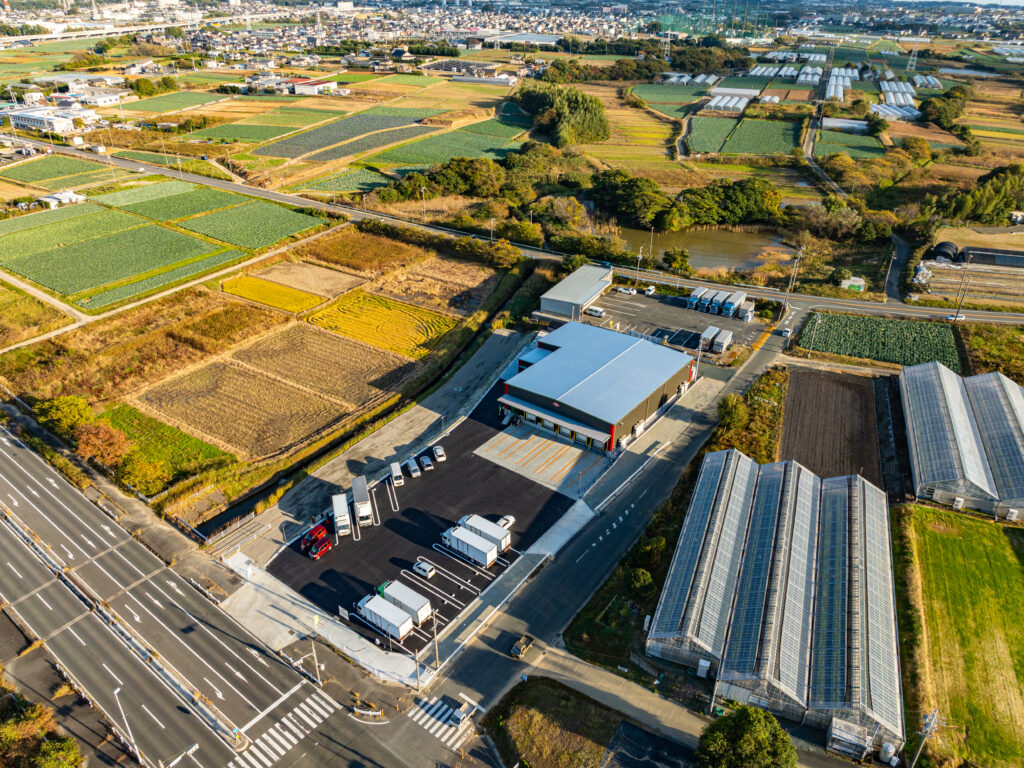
x: 275, y: 742
x: 433, y: 716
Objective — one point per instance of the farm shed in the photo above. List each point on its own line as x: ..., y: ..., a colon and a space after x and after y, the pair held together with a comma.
x: 782, y: 581
x: 966, y: 437
x: 597, y: 386
x: 572, y: 295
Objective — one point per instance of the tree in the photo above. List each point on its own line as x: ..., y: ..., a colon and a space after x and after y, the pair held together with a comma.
x: 101, y: 443
x: 838, y: 275
x: 641, y: 583
x: 144, y: 87
x: 64, y: 414
x: 168, y: 83
x: 573, y: 261
x: 145, y: 476
x: 678, y: 260
x: 746, y: 738
x: 918, y: 148
x: 732, y: 412
x: 175, y: 32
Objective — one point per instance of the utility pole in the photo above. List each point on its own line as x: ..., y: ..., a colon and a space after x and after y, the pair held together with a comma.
x: 885, y: 283
x: 792, y: 277
x: 423, y: 202
x: 437, y: 655
x: 961, y: 292
x: 931, y: 724
x: 639, y: 254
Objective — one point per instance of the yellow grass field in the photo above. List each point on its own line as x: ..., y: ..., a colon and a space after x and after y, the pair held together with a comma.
x: 270, y: 293
x: 964, y: 236
x: 384, y: 323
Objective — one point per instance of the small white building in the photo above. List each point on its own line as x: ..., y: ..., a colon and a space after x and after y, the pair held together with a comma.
x: 505, y: 80
x: 315, y: 88
x: 64, y: 197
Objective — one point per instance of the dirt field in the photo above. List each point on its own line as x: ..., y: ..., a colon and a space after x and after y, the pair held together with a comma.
x: 360, y: 252
x: 310, y: 278
x: 238, y: 409
x: 830, y: 424
x: 10, y: 191
x: 358, y: 373
x: 900, y: 129
x: 441, y: 283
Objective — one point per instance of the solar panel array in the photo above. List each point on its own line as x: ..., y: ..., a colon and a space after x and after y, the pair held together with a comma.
x: 966, y: 435
x: 784, y: 580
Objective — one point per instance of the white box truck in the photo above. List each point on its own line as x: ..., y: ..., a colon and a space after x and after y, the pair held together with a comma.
x: 388, y: 618
x: 470, y: 545
x: 342, y: 519
x: 361, y: 502
x: 493, y: 532
x: 409, y: 600
x: 708, y: 336
x: 721, y: 342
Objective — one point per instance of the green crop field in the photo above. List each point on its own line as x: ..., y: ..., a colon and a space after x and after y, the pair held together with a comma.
x: 375, y: 119
x: 170, y: 102
x: 353, y: 180
x: 441, y: 148
x: 904, y: 342
x: 857, y: 146
x: 102, y: 260
x: 385, y: 323
x: 292, y: 117
x: 970, y: 665
x: 46, y: 168
x: 372, y: 141
x: 707, y: 134
x: 419, y: 80
x: 19, y: 223
x: 66, y: 232
x: 197, y: 268
x: 270, y: 293
x: 144, y: 192
x: 179, y: 453
x: 670, y: 94
x: 355, y: 77
x: 254, y: 225
x: 503, y: 127
x: 763, y: 137
x: 242, y: 132
x: 190, y: 203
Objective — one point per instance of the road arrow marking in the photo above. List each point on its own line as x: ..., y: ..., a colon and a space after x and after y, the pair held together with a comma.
x: 14, y: 501
x: 173, y: 586
x: 52, y: 482
x: 155, y: 601
x: 216, y: 692
x: 34, y: 492
x: 91, y: 545
x: 259, y: 657
x: 68, y: 552
x: 134, y: 614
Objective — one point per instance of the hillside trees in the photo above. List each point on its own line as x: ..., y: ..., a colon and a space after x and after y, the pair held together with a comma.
x: 567, y: 114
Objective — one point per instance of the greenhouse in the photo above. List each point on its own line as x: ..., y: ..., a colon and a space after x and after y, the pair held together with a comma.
x: 782, y: 585
x: 966, y: 438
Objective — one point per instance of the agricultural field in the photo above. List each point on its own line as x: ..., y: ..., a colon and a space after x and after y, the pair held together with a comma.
x: 372, y: 141
x: 445, y: 146
x: 186, y: 164
x: 855, y: 145
x: 963, y: 639
x: 346, y: 129
x: 172, y: 102
x: 847, y: 404
x: 23, y: 316
x: 763, y: 137
x: 359, y: 374
x: 50, y: 169
x: 359, y: 252
x: 266, y: 126
x: 254, y: 225
x: 124, y: 352
x: 64, y: 232
x: 178, y: 453
x: 239, y: 410
x: 789, y: 182
x: 708, y: 134
x: 143, y: 192
x: 658, y: 95
x: 352, y: 180
x: 902, y: 342
x: 442, y: 283
x: 184, y: 204
x: 397, y: 327
x: 310, y: 278
x: 272, y: 294
x: 995, y: 348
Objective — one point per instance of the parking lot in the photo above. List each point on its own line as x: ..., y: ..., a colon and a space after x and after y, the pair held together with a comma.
x: 409, y: 524
x: 667, y: 317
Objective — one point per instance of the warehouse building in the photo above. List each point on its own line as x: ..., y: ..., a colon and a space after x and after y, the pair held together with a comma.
x: 782, y: 585
x: 595, y: 386
x: 570, y: 298
x: 966, y: 438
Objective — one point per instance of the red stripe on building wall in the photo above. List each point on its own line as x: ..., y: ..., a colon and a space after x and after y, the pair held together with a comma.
x: 506, y: 387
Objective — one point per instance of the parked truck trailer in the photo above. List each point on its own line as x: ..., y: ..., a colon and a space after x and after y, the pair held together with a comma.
x: 733, y: 303
x: 708, y: 336
x: 388, y: 618
x: 721, y: 342
x: 342, y: 519
x: 694, y: 298
x: 409, y: 600
x: 470, y: 545
x: 493, y: 532
x: 361, y: 502
x: 717, y: 301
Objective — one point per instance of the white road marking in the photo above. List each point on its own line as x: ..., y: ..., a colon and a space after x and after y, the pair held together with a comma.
x: 75, y: 635
x: 283, y: 696
x: 14, y: 501
x: 68, y: 552
x: 111, y: 673
x: 154, y: 600
x: 15, y: 571
x: 153, y: 716
x: 87, y: 541
x: 216, y: 690
x: 48, y: 606
x: 308, y: 721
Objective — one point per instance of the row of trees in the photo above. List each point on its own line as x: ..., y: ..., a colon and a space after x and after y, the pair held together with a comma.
x: 499, y: 254
x: 30, y: 738
x: 568, y: 115
x: 991, y: 201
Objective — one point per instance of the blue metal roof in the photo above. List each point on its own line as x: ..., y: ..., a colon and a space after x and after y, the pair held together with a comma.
x: 598, y: 371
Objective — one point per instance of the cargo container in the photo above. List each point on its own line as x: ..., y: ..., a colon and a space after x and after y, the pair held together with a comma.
x: 717, y: 301
x: 721, y: 342
x: 705, y: 300
x: 470, y: 545
x: 747, y: 311
x: 409, y: 600
x: 342, y: 519
x: 361, y: 502
x: 493, y: 532
x: 733, y: 303
x: 694, y: 298
x: 708, y: 336
x: 388, y: 618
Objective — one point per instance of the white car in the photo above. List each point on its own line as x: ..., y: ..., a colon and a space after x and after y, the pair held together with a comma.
x: 439, y: 454
x: 956, y: 318
x: 426, y: 463
x: 507, y: 522
x: 651, y: 290
x: 787, y: 332
x: 594, y: 311
x: 414, y: 468
x: 626, y: 290
x: 426, y: 570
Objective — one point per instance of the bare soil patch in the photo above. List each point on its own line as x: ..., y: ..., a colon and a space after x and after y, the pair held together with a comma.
x: 830, y: 424
x: 934, y: 134
x: 363, y: 253
x: 441, y: 283
x: 310, y: 278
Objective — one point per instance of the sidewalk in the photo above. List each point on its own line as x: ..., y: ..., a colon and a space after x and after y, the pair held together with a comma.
x: 263, y: 537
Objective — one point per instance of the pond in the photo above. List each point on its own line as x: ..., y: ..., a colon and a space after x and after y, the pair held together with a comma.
x: 709, y: 248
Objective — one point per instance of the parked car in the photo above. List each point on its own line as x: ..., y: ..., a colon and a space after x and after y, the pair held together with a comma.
x: 956, y: 318
x: 426, y: 570
x: 521, y: 646
x: 439, y: 454
x: 787, y: 332
x: 426, y: 463
x: 626, y: 290
x: 313, y: 536
x: 651, y: 290
x: 414, y: 468
x: 507, y: 522
x: 458, y: 716
x: 594, y: 311
x: 320, y: 547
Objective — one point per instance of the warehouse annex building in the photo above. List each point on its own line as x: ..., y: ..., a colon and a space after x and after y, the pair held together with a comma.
x: 571, y: 296
x: 596, y: 386
x: 966, y: 438
x: 782, y: 585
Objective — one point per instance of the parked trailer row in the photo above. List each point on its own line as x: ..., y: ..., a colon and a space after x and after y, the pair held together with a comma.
x: 388, y: 618
x: 716, y: 302
x: 470, y: 545
x: 408, y: 599
x: 484, y: 528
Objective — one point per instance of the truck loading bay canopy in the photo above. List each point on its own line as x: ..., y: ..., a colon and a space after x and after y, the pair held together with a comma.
x: 554, y: 418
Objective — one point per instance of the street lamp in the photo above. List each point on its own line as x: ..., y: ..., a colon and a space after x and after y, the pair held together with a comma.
x: 135, y: 747
x: 639, y: 254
